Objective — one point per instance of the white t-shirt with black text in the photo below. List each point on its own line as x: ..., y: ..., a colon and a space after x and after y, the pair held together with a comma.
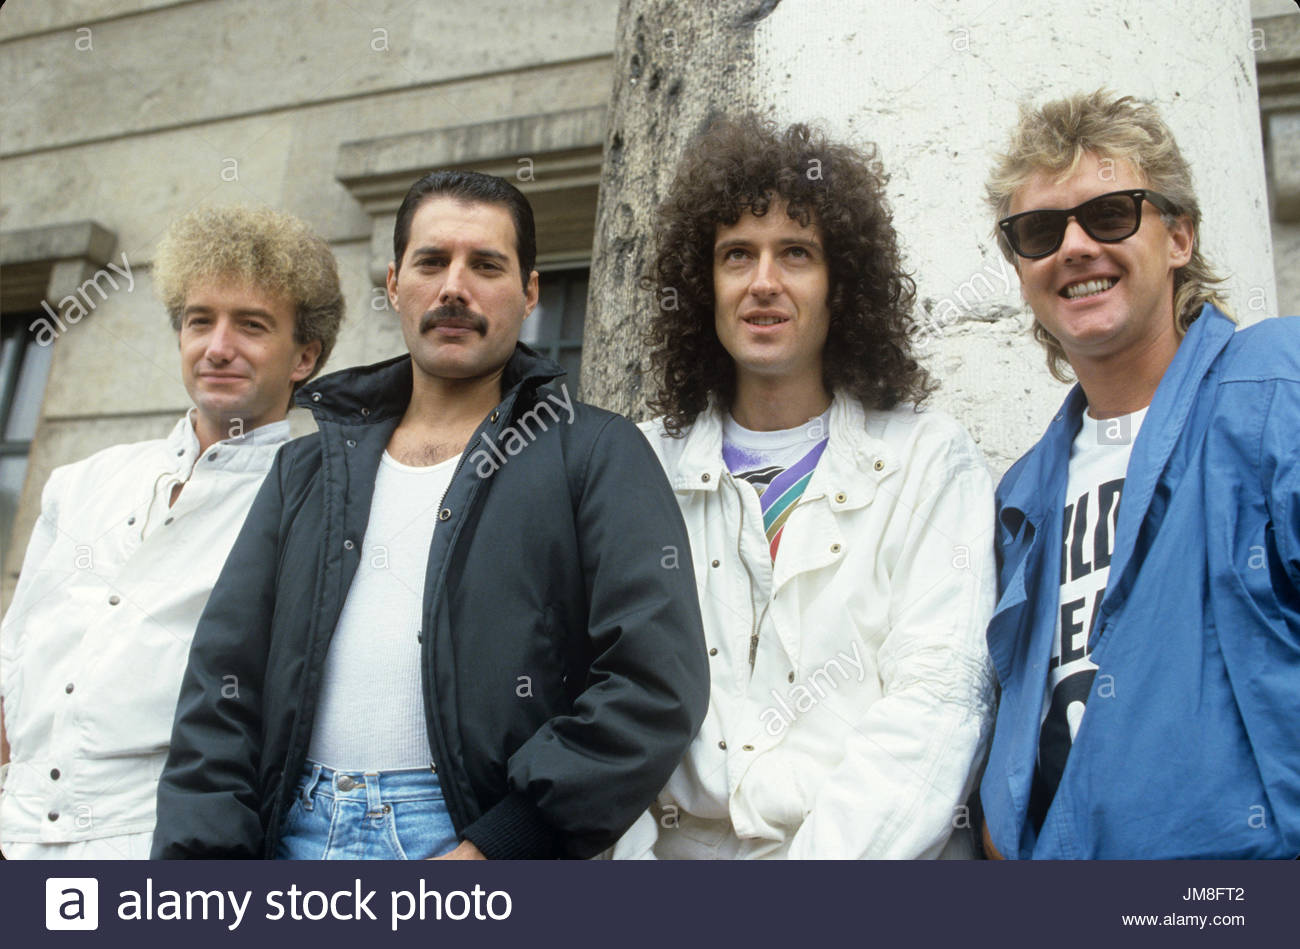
x: 1095, y: 482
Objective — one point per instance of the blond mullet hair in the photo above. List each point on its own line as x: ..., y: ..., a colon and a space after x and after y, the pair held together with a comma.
x: 1054, y: 138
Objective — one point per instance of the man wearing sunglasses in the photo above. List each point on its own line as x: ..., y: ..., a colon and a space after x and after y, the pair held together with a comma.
x: 1147, y: 634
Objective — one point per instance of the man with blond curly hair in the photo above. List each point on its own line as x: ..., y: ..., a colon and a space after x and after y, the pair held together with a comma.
x: 130, y: 540
x: 1147, y: 636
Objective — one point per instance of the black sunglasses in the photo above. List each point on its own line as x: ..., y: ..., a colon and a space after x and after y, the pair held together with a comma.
x: 1108, y: 218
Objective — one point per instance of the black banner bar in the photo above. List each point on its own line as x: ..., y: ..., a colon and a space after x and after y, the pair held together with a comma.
x: 654, y: 904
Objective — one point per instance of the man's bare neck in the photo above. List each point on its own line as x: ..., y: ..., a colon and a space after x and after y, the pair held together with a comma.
x: 441, y: 417
x: 776, y: 405
x: 1126, y: 382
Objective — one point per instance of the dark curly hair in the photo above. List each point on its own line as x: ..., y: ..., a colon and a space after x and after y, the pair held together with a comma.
x: 741, y: 165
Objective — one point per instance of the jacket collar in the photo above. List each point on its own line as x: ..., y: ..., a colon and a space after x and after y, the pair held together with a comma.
x: 1032, y: 494
x: 382, y: 391
x: 1159, y: 435
x: 1037, y: 491
x: 252, y: 451
x: 1047, y: 461
x: 701, y: 465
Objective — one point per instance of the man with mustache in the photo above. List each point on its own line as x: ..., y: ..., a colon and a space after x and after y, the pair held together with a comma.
x: 131, y: 540
x: 461, y: 618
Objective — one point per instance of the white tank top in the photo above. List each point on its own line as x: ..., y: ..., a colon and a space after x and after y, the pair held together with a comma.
x: 370, y: 716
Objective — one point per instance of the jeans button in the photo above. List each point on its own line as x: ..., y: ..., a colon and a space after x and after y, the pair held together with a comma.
x: 346, y: 783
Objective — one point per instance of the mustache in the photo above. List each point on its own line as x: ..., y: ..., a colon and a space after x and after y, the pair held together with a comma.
x: 454, y: 314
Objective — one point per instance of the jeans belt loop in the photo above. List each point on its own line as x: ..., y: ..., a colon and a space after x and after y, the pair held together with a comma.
x: 374, y: 806
x: 309, y: 788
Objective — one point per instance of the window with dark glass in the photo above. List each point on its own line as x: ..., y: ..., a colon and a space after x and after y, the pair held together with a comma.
x: 24, y: 366
x: 555, y: 327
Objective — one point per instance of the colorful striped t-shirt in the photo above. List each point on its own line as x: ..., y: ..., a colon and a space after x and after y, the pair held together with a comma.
x: 778, y: 464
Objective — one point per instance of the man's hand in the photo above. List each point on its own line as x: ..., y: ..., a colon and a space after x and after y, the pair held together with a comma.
x: 990, y: 851
x: 466, y: 851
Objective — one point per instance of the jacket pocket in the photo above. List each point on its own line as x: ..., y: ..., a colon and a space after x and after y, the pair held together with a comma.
x: 127, y: 692
x: 778, y: 800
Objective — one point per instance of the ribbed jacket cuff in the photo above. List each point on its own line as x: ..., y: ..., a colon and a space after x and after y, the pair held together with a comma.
x: 513, y: 830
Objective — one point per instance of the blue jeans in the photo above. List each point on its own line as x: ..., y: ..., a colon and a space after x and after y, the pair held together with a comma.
x: 351, y: 815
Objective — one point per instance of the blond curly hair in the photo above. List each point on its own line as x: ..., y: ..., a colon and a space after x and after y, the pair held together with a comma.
x: 273, y: 250
x: 1054, y: 137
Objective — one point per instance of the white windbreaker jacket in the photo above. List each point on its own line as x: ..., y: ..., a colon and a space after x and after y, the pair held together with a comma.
x: 94, y: 644
x: 859, y: 731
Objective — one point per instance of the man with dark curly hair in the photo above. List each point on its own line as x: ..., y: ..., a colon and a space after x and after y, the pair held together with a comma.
x: 130, y: 541
x: 842, y: 537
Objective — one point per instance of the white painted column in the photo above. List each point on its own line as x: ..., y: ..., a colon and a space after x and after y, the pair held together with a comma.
x: 937, y: 84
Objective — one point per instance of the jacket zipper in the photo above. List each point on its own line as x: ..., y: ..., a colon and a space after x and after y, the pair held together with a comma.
x: 756, y: 617
x: 297, y: 747
x: 433, y: 722
x: 460, y: 464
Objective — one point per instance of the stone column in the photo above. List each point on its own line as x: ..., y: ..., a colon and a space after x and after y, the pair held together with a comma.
x: 1276, y: 42
x: 676, y: 63
x: 936, y: 86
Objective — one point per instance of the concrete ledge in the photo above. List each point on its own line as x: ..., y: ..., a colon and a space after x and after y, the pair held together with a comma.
x: 1277, y: 64
x: 29, y: 19
x: 31, y: 258
x: 554, y: 159
x: 378, y: 170
x: 86, y: 240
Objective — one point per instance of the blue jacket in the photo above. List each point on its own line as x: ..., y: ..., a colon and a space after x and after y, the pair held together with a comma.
x: 1190, y: 745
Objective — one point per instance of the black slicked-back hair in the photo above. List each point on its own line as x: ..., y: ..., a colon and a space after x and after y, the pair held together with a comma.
x: 476, y: 188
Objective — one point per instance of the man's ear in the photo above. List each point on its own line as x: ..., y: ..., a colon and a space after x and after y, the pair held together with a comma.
x: 530, y: 294
x: 1182, y: 241
x: 306, y: 361
x: 391, y: 284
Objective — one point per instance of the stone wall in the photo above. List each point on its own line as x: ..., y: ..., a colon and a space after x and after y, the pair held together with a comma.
x: 936, y: 86
x: 1277, y: 59
x: 121, y: 114
x: 127, y: 114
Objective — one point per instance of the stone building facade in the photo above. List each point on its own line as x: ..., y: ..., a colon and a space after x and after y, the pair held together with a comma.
x: 122, y: 114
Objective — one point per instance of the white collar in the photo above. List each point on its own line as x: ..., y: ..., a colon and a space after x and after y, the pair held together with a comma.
x: 249, y: 450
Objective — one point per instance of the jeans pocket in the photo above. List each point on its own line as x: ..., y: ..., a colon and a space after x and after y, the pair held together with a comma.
x: 422, y: 829
x: 394, y: 839
x: 288, y: 824
x: 296, y: 839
